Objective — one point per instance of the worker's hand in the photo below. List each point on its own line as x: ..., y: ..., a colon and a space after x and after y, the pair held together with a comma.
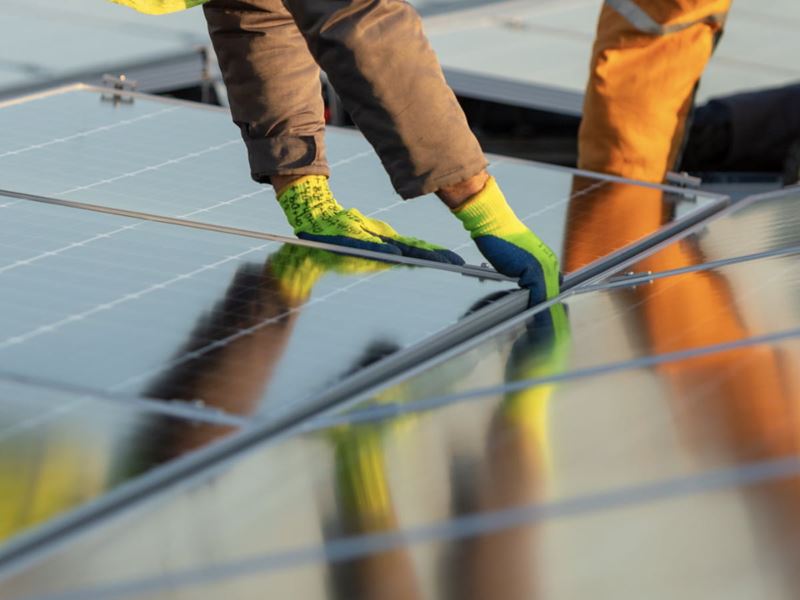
x: 315, y: 215
x: 509, y: 245
x: 408, y: 246
x: 525, y: 257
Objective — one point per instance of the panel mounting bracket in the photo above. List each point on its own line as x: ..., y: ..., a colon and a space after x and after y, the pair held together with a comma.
x: 683, y: 180
x: 119, y: 84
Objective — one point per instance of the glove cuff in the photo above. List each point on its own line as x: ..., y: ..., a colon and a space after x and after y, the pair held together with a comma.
x: 488, y: 213
x: 307, y: 200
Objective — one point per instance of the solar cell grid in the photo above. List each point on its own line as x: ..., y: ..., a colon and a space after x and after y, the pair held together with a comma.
x: 187, y: 163
x: 246, y: 326
x: 115, y: 303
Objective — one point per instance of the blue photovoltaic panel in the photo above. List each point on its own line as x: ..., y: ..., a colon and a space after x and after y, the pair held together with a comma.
x: 177, y: 161
x: 93, y: 37
x: 243, y: 325
x: 231, y: 323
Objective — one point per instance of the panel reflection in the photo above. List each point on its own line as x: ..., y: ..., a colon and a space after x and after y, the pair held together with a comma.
x: 606, y: 330
x: 236, y: 350
x: 59, y: 451
x: 768, y: 224
x: 488, y: 499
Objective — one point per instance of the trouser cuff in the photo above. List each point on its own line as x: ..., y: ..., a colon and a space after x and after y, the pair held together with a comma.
x: 411, y: 187
x: 286, y: 155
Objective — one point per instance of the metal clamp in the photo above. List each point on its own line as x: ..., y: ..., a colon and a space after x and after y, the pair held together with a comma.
x: 683, y: 180
x: 120, y: 84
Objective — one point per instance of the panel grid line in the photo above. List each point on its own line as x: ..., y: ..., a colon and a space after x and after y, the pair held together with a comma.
x: 179, y: 409
x: 87, y: 133
x: 19, y: 339
x: 222, y: 342
x: 148, y: 168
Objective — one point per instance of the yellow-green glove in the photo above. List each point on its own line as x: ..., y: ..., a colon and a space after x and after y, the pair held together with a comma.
x: 315, y: 215
x: 508, y: 244
x: 159, y: 7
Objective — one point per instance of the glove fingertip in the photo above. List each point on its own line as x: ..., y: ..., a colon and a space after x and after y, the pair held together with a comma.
x: 451, y: 257
x: 533, y: 281
x: 441, y: 256
x: 340, y: 240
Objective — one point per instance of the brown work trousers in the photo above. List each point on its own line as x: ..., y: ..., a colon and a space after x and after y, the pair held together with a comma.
x: 381, y: 65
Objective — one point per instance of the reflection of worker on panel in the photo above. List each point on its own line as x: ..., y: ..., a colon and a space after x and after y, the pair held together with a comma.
x: 230, y: 376
x: 365, y: 502
x: 236, y: 346
x: 516, y: 467
x: 389, y: 80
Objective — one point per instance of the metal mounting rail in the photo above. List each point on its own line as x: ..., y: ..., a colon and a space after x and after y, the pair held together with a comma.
x: 467, y: 270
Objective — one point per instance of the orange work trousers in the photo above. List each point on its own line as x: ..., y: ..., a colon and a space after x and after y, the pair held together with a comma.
x: 647, y: 59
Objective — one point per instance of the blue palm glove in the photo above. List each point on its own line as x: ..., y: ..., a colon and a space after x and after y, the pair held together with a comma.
x: 509, y: 245
x: 315, y: 215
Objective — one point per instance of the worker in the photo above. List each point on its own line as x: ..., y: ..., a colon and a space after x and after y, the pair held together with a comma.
x: 389, y: 80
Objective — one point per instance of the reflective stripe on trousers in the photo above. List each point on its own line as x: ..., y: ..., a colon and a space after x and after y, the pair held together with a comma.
x: 642, y: 21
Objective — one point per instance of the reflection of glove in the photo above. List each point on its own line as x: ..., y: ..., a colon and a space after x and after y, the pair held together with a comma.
x: 315, y: 215
x: 506, y: 242
x: 542, y: 351
x: 297, y: 268
x: 361, y: 482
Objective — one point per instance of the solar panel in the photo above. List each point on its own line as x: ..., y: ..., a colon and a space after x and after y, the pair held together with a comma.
x: 180, y: 161
x: 149, y: 309
x: 546, y: 481
x: 759, y: 226
x: 136, y: 310
x: 682, y: 315
x: 94, y: 38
